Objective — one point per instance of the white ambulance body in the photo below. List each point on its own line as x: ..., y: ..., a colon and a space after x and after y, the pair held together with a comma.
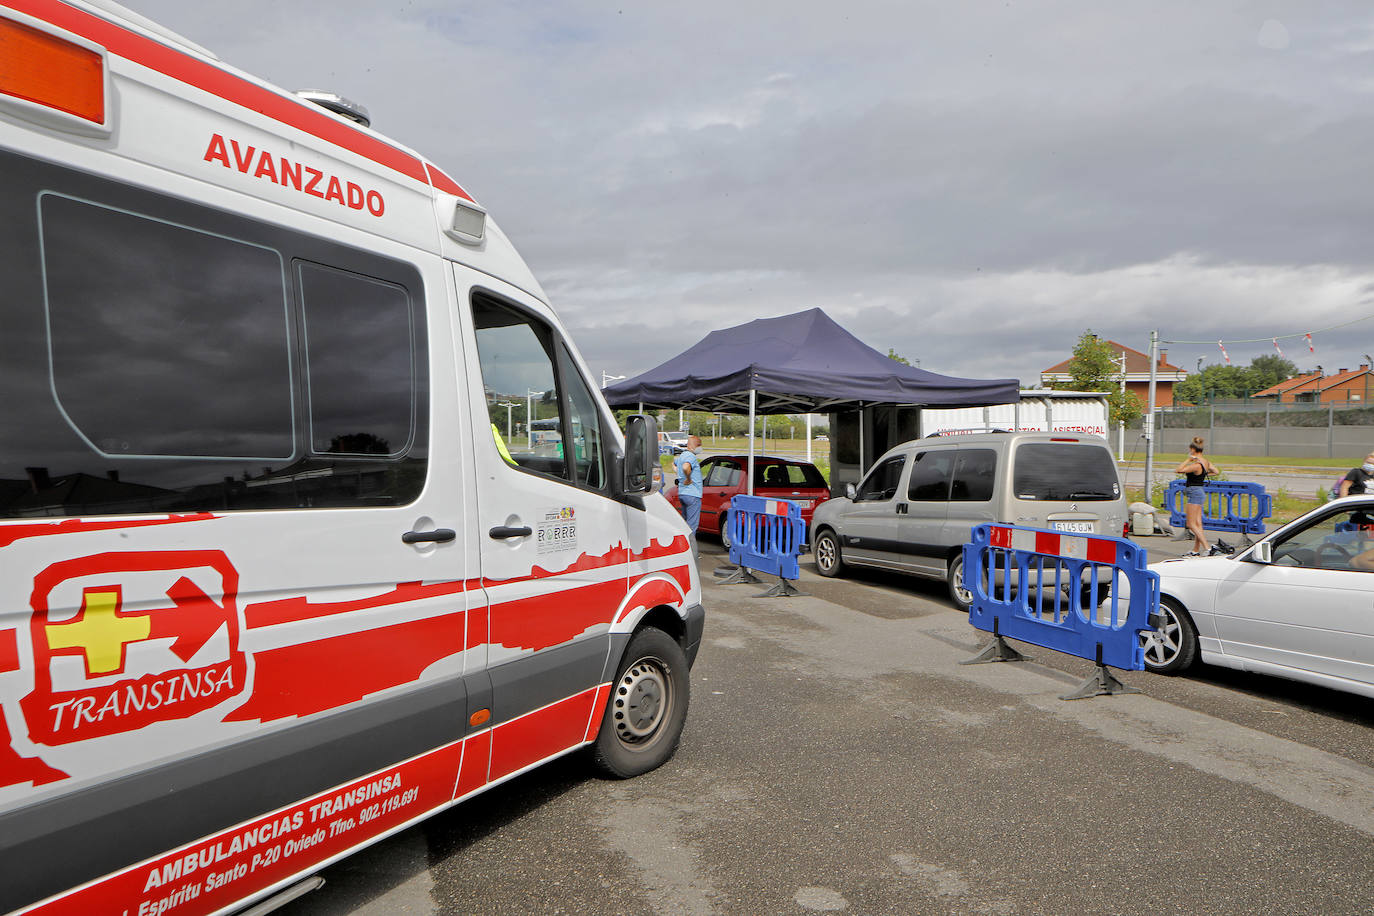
x: 278, y: 576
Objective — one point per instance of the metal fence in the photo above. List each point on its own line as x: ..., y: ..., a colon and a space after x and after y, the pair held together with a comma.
x: 1274, y: 430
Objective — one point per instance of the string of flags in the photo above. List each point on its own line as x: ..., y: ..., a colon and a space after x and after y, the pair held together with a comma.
x: 1311, y: 348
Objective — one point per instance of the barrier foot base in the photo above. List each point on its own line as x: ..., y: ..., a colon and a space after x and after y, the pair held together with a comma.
x: 720, y: 572
x: 741, y: 576
x: 999, y: 650
x: 1101, y: 683
x: 783, y: 589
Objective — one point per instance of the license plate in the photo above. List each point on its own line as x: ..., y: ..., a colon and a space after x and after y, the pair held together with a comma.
x: 805, y: 503
x: 1075, y: 527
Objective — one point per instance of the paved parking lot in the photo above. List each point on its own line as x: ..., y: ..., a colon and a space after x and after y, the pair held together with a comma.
x: 837, y: 759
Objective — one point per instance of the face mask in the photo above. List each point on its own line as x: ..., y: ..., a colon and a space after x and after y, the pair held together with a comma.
x: 1367, y: 468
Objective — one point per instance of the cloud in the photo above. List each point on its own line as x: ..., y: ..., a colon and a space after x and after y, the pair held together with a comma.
x: 972, y: 184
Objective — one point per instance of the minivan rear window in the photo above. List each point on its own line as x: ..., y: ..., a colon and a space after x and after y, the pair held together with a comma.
x: 1064, y: 471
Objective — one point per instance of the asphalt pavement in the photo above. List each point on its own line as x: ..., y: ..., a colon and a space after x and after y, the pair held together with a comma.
x: 838, y: 759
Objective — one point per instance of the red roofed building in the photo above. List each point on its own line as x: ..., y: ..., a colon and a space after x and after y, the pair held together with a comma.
x: 1344, y: 387
x: 1137, y: 374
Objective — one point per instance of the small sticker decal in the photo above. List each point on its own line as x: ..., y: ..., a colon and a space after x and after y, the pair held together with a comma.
x: 557, y: 531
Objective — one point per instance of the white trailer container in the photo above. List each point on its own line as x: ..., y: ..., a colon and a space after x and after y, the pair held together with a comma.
x: 1037, y: 411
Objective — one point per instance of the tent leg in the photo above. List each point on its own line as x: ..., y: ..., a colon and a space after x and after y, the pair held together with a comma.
x: 752, y: 405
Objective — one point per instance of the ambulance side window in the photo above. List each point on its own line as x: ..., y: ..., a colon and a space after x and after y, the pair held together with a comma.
x: 360, y: 362
x: 516, y: 354
x: 526, y: 367
x: 584, y: 427
x: 161, y: 355
x: 139, y: 310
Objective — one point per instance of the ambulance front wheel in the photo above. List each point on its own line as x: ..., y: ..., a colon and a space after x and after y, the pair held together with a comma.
x: 646, y: 709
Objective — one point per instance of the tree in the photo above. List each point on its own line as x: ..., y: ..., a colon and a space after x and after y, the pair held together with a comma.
x: 897, y: 357
x: 1094, y: 367
x: 1269, y: 370
x: 1218, y: 381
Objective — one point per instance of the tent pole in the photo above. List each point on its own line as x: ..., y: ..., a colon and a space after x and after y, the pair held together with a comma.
x: 861, y: 443
x: 752, y: 404
x: 808, y: 439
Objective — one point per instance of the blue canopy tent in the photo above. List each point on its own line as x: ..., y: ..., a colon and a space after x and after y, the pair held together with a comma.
x: 798, y: 363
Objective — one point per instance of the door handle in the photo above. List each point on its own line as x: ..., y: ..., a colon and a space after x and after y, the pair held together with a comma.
x: 438, y: 536
x: 502, y: 532
x: 901, y: 508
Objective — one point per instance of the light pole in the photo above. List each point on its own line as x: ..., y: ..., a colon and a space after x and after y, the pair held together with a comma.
x: 508, y: 405
x: 529, y: 414
x: 606, y: 377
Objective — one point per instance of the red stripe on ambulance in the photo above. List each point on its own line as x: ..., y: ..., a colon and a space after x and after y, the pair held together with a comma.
x: 11, y: 533
x: 311, y: 677
x: 542, y: 733
x: 212, y: 873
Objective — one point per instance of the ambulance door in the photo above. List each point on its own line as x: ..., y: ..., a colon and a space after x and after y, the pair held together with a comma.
x: 552, y: 535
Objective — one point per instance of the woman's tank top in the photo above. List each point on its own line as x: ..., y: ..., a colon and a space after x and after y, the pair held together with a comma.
x: 1198, y: 479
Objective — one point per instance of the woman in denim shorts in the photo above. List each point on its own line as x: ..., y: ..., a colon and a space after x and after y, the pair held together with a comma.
x: 1195, y: 470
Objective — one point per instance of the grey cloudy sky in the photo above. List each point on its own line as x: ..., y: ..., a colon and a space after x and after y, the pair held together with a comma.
x: 972, y: 184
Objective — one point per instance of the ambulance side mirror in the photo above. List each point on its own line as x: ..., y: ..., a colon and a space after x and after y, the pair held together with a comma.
x: 641, y: 454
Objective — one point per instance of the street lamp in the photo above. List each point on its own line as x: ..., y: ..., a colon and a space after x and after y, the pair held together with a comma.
x: 529, y: 414
x: 508, y: 405
x: 606, y: 378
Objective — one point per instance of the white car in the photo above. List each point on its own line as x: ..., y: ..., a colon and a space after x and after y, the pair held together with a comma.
x: 1298, y: 604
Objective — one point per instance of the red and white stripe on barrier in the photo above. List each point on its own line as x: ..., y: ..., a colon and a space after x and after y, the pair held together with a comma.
x: 1072, y: 546
x: 775, y: 507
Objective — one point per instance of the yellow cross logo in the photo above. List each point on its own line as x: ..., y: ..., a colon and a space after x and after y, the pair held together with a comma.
x: 100, y: 632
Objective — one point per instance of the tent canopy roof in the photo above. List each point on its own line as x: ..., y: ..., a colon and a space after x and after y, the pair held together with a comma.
x: 798, y: 363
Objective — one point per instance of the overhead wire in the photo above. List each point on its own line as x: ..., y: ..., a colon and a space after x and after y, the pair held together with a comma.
x: 1273, y: 337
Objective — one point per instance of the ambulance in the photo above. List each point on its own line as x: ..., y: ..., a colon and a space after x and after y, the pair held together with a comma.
x: 278, y: 578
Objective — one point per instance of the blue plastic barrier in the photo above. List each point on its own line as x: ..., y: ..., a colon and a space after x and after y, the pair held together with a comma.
x: 1045, y: 588
x: 766, y: 535
x: 1230, y: 505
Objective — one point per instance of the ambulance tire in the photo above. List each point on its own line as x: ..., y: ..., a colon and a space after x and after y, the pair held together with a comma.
x: 647, y: 707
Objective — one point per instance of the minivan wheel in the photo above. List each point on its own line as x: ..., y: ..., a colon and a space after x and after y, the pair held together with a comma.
x: 1172, y: 647
x: 958, y: 594
x: 829, y: 562
x: 647, y: 708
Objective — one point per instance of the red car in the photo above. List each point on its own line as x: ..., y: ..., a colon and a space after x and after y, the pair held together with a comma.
x: 776, y: 478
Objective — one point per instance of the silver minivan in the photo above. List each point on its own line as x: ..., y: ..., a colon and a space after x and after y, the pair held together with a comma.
x: 914, y: 510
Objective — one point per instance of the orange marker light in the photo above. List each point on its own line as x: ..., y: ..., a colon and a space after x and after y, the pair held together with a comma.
x: 480, y: 717
x: 49, y: 71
